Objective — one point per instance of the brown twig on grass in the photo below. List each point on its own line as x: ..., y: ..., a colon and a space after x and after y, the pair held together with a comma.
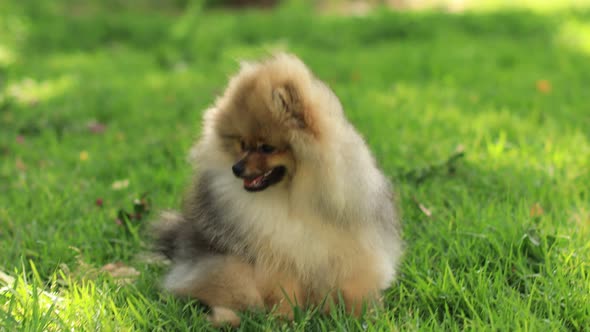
x: 419, y: 175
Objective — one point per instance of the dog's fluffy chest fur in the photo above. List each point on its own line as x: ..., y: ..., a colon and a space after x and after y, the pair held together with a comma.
x: 280, y: 238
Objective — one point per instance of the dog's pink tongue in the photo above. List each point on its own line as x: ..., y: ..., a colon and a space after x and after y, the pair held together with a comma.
x: 254, y: 182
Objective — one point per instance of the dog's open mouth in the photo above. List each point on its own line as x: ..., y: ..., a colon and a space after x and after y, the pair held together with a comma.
x: 263, y: 181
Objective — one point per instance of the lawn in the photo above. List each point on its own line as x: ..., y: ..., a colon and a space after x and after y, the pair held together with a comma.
x: 481, y: 119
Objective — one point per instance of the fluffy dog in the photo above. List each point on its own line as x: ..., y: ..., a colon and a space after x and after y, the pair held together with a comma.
x: 287, y: 207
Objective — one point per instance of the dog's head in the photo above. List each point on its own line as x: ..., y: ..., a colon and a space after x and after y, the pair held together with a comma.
x: 256, y: 119
x: 260, y: 164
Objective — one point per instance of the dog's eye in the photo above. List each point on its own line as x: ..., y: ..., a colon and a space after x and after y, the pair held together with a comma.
x: 243, y: 145
x: 265, y: 148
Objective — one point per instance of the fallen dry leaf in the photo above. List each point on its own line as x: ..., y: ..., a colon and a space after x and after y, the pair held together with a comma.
x: 544, y: 86
x: 84, y: 155
x: 20, y: 165
x: 536, y: 210
x: 6, y: 279
x: 120, y: 184
x: 151, y: 257
x: 423, y: 208
x: 82, y: 270
x: 122, y: 273
x: 96, y: 127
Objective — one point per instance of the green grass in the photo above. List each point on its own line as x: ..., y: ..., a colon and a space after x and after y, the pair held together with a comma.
x: 506, y: 245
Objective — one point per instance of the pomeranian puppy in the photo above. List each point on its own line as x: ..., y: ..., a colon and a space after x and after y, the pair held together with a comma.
x: 288, y: 206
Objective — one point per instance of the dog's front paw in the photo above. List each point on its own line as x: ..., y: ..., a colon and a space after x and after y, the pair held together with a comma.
x: 221, y: 316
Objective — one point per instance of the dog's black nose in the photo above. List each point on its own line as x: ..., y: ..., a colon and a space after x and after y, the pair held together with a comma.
x: 238, y: 168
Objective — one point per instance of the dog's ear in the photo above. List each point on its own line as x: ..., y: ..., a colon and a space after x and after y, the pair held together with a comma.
x: 287, y: 100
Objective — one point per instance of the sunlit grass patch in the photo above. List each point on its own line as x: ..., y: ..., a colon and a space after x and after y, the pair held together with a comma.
x: 546, y: 6
x: 575, y: 33
x: 29, y: 303
x: 29, y: 91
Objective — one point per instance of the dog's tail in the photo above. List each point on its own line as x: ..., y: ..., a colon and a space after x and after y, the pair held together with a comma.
x: 166, y: 232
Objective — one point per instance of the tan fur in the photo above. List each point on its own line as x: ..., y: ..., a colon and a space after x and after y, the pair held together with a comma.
x: 281, y: 292
x: 226, y: 282
x: 223, y: 316
x: 328, y: 227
